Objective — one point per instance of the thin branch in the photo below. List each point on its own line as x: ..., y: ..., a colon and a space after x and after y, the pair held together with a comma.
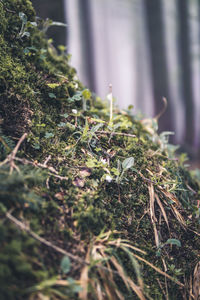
x: 47, y: 160
x: 11, y: 157
x: 52, y: 171
x: 23, y: 227
x: 14, y: 152
x: 34, y: 235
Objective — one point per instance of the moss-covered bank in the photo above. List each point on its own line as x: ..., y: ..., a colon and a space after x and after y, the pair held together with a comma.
x: 91, y: 207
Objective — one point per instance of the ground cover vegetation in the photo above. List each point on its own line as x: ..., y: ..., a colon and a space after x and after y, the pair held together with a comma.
x: 94, y: 202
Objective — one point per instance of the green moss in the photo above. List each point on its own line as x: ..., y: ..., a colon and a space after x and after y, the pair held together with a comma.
x: 82, y: 189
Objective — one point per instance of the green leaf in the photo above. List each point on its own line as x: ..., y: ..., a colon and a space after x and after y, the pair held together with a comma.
x: 23, y: 17
x: 97, y: 120
x: 53, y: 85
x: 96, y: 127
x: 91, y: 163
x: 86, y: 94
x: 65, y: 265
x: 36, y: 146
x: 33, y: 23
x: 65, y: 115
x: 49, y: 135
x: 26, y: 33
x: 52, y: 95
x: 29, y: 49
x: 70, y: 100
x: 61, y: 124
x: 173, y: 242
x: 77, y: 96
x: 58, y: 24
x: 86, y: 128
x: 3, y: 209
x: 128, y: 163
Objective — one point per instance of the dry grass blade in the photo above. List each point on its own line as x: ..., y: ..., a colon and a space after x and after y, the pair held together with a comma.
x: 170, y: 196
x: 136, y: 289
x: 120, y: 271
x: 107, y: 263
x: 111, y: 278
x: 135, y: 265
x: 99, y: 291
x: 125, y: 244
x: 119, y: 295
x: 178, y: 216
x: 109, y: 285
x: 174, y: 209
x: 127, y: 281
x: 166, y: 286
x: 196, y: 281
x: 107, y: 279
x: 84, y: 278
x: 152, y: 213
x: 157, y: 117
x: 158, y: 270
x: 162, y: 210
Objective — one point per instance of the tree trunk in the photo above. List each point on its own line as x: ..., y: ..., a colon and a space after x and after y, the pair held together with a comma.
x: 160, y: 82
x: 87, y: 41
x: 186, y: 72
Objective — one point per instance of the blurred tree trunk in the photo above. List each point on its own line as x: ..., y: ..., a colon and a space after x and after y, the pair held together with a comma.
x: 87, y: 41
x: 186, y: 72
x: 155, y: 28
x: 53, y: 10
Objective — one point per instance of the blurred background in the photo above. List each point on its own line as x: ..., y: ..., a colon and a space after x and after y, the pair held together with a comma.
x: 147, y: 49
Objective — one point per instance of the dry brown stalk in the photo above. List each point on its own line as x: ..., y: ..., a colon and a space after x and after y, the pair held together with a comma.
x: 11, y: 157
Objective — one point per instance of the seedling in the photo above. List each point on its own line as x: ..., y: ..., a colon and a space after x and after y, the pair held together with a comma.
x: 123, y: 167
x: 110, y: 99
x: 23, y: 31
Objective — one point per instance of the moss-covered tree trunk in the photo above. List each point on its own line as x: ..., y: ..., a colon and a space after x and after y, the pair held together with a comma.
x: 94, y: 203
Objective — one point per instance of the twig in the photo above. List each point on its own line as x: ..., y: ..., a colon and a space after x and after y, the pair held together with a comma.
x: 23, y: 227
x: 157, y: 117
x: 115, y: 133
x: 162, y: 289
x: 166, y: 287
x: 147, y: 179
x: 11, y: 157
x: 47, y: 160
x: 159, y: 271
x: 14, y: 152
x: 43, y: 166
x: 34, y: 235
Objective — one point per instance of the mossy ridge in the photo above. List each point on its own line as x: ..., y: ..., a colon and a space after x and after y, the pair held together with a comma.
x: 73, y: 211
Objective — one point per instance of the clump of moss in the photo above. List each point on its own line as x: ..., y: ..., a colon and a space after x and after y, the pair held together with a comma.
x: 78, y: 184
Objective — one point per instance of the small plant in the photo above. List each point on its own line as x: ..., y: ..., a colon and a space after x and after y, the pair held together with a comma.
x: 123, y: 167
x: 110, y: 99
x: 23, y: 31
x: 168, y: 242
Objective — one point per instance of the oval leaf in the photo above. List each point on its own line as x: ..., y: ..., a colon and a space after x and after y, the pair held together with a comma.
x: 65, y: 265
x: 128, y: 163
x: 52, y: 95
x: 173, y: 242
x: 23, y: 17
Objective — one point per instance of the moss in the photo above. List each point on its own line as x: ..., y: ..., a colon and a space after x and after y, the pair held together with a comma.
x: 71, y: 184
